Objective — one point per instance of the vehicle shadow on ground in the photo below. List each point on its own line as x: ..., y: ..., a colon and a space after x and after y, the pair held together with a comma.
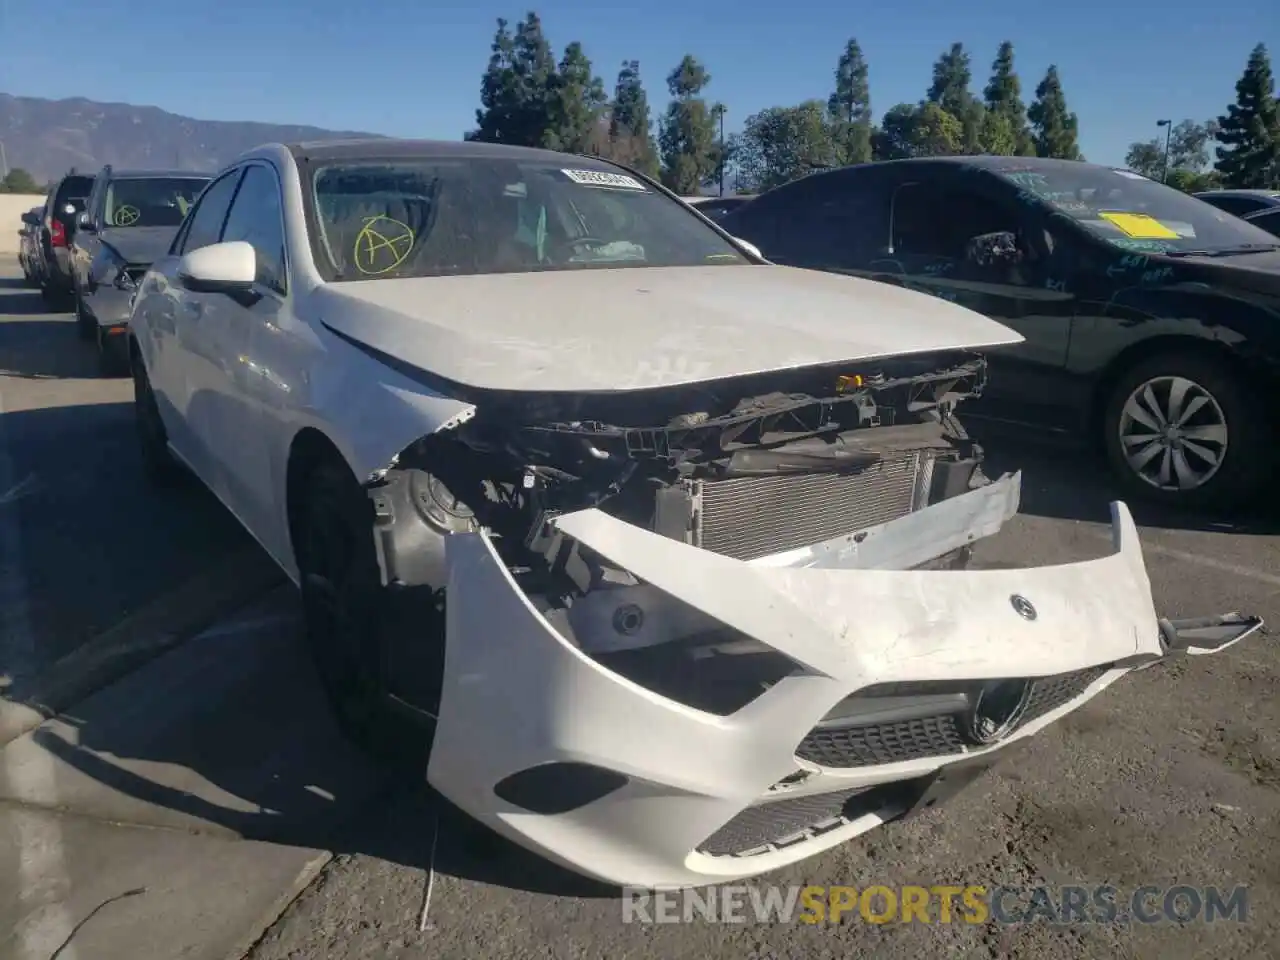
x: 84, y: 540
x: 1070, y: 483
x: 248, y: 746
x: 37, y: 343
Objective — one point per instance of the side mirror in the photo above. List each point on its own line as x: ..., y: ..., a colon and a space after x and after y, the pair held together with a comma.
x: 229, y: 268
x: 85, y: 224
x: 751, y: 248
x: 31, y: 219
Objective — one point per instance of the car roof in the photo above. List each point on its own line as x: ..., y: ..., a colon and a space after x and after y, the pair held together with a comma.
x: 1239, y: 193
x: 995, y: 164
x: 385, y: 148
x: 158, y: 174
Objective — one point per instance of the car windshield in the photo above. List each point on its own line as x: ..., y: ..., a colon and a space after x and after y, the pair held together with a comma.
x: 1135, y: 213
x: 150, y: 201
x: 449, y: 217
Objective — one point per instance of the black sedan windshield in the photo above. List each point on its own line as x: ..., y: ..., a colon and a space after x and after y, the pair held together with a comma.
x: 442, y: 217
x: 1134, y: 213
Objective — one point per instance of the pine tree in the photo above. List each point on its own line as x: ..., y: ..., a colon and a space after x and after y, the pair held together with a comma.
x: 1249, y: 133
x: 518, y: 89
x: 1055, y: 129
x: 500, y: 97
x: 690, y: 153
x: 1006, y: 130
x: 850, y: 107
x: 577, y: 106
x: 952, y: 76
x: 630, y: 125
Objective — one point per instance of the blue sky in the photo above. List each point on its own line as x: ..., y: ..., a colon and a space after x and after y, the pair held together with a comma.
x: 409, y: 68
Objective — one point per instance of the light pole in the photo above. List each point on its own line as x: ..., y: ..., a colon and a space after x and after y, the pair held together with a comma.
x: 722, y: 158
x: 4, y: 162
x: 1168, y: 132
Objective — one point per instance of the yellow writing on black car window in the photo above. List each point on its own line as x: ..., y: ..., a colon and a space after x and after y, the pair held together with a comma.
x: 126, y: 216
x: 382, y: 245
x: 1139, y: 226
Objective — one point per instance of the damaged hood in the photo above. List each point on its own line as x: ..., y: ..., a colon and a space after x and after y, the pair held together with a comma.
x: 635, y: 328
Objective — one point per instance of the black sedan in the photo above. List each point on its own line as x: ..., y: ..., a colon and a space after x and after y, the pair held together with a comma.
x: 1152, y: 319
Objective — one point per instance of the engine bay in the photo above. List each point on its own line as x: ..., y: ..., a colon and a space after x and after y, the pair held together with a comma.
x: 644, y: 456
x: 747, y: 468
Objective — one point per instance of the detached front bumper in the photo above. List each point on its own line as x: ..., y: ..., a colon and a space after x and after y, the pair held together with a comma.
x: 541, y: 742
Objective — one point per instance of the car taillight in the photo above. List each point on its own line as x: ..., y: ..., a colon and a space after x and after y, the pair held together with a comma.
x: 57, y: 233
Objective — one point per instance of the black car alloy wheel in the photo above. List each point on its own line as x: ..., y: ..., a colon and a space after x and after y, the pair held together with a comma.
x: 343, y: 605
x: 153, y: 443
x: 1186, y: 430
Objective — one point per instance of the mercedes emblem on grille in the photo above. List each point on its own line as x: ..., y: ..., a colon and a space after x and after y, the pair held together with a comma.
x: 998, y: 709
x: 1023, y: 607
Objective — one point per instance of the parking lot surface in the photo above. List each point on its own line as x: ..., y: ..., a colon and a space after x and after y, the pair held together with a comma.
x: 221, y: 746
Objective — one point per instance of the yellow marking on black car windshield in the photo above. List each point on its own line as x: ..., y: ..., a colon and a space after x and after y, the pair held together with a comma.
x: 1139, y: 226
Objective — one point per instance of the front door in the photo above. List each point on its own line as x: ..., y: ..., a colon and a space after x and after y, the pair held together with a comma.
x: 195, y: 378
x: 955, y: 237
x: 237, y: 438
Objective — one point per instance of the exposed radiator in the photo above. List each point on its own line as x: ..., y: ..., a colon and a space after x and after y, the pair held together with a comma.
x: 749, y: 517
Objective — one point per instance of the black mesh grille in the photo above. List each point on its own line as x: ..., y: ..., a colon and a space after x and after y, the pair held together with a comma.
x: 781, y: 820
x: 936, y: 736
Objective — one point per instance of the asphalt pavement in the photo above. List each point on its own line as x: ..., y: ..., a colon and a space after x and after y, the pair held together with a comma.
x: 171, y: 785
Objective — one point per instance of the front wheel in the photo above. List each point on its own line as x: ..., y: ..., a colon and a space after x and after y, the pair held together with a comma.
x: 86, y: 326
x: 158, y: 463
x: 1186, y: 430
x: 345, y: 607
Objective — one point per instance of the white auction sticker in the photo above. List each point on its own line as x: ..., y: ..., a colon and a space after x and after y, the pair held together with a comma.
x: 598, y: 178
x: 1129, y: 174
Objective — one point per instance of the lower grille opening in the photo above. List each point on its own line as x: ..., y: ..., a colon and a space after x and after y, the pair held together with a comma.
x: 782, y: 823
x: 932, y: 732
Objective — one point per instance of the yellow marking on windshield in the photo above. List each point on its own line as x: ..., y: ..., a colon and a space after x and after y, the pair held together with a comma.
x: 126, y: 216
x: 382, y: 245
x: 1139, y: 226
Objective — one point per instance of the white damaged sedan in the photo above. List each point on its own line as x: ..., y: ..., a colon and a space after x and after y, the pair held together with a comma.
x: 647, y: 553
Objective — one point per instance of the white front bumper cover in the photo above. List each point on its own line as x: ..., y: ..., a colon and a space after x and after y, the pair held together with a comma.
x: 518, y: 695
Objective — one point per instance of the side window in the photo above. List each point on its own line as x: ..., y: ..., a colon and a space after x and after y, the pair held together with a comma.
x: 842, y: 227
x: 204, y: 226
x: 1269, y: 221
x: 1237, y: 205
x: 946, y: 229
x: 255, y: 219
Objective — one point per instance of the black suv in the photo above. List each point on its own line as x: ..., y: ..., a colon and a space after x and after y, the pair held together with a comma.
x: 127, y: 224
x: 62, y: 207
x: 1151, y: 319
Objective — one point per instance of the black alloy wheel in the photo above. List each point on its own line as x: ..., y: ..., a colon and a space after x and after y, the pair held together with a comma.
x: 345, y: 622
x: 158, y: 463
x: 1187, y: 430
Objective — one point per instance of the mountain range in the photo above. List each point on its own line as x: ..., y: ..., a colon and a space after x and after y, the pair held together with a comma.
x: 48, y: 137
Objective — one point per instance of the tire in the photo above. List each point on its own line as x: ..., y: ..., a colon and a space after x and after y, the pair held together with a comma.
x: 158, y: 463
x: 345, y: 621
x: 86, y: 326
x: 113, y: 358
x: 1218, y: 404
